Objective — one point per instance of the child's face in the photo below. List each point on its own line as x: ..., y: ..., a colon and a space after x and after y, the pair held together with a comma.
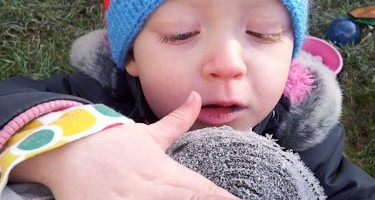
x: 235, y: 54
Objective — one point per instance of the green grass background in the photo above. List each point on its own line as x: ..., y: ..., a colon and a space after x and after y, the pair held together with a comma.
x: 36, y: 37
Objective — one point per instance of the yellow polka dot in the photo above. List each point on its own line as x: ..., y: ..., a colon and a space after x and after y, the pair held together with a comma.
x: 75, y: 122
x: 32, y: 125
x: 7, y: 159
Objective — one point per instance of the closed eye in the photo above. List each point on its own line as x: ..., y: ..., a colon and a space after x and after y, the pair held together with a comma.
x: 266, y: 37
x: 177, y: 37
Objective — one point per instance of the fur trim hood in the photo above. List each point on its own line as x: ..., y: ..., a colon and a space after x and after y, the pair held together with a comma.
x: 311, y: 104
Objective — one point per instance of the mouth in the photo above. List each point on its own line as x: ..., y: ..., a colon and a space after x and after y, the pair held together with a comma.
x: 232, y: 108
x: 220, y: 114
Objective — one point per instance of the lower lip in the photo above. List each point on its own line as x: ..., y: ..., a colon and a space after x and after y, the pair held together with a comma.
x: 218, y: 116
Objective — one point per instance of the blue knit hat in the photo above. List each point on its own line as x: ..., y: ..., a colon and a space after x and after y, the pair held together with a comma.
x: 125, y: 18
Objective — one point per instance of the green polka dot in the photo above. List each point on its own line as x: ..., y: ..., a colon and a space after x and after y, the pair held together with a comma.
x: 107, y: 111
x: 36, y: 140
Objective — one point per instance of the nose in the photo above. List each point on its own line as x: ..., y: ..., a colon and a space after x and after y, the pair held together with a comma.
x: 224, y: 61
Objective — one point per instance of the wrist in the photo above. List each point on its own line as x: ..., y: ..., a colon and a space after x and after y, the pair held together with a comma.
x: 54, y: 168
x: 49, y: 153
x: 39, y: 168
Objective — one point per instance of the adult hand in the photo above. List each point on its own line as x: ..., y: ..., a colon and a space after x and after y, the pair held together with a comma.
x: 124, y: 162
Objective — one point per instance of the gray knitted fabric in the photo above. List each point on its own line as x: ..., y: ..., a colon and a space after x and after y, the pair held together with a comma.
x: 248, y: 165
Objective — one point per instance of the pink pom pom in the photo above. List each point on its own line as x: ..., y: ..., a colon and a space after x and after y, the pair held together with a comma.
x: 299, y: 84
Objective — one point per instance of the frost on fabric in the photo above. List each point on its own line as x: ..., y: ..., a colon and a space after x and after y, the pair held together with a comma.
x: 248, y: 165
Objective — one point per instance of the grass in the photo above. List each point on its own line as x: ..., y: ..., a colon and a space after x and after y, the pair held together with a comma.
x: 36, y: 37
x: 357, y: 80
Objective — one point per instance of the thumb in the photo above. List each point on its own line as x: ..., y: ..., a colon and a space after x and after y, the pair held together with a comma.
x: 178, y: 122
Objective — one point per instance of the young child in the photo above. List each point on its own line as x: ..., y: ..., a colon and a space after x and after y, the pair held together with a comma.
x: 192, y: 64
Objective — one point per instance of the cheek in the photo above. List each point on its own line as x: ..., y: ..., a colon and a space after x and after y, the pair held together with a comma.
x: 267, y: 84
x: 270, y: 67
x: 163, y: 93
x: 274, y: 82
x: 158, y: 78
x: 166, y: 80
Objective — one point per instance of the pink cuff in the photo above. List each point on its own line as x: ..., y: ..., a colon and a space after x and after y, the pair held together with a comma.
x: 21, y: 120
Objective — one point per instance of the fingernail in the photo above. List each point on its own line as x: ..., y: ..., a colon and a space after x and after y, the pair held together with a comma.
x: 192, y: 97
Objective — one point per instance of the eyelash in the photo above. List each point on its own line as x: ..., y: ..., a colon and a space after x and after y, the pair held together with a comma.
x: 268, y: 37
x: 177, y: 37
x: 187, y: 35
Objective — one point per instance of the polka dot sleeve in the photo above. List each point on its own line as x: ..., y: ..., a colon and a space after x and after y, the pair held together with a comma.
x: 53, y: 130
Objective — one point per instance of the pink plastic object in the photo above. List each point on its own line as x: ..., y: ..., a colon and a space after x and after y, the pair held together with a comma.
x: 325, y: 51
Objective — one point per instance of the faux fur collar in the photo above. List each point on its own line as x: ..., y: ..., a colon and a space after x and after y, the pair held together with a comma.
x: 312, y: 110
x: 308, y: 122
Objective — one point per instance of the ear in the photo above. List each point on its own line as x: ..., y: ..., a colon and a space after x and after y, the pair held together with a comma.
x: 131, y: 68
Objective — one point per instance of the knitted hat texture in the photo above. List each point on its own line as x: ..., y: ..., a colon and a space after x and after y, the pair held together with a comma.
x: 125, y: 18
x: 246, y: 164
